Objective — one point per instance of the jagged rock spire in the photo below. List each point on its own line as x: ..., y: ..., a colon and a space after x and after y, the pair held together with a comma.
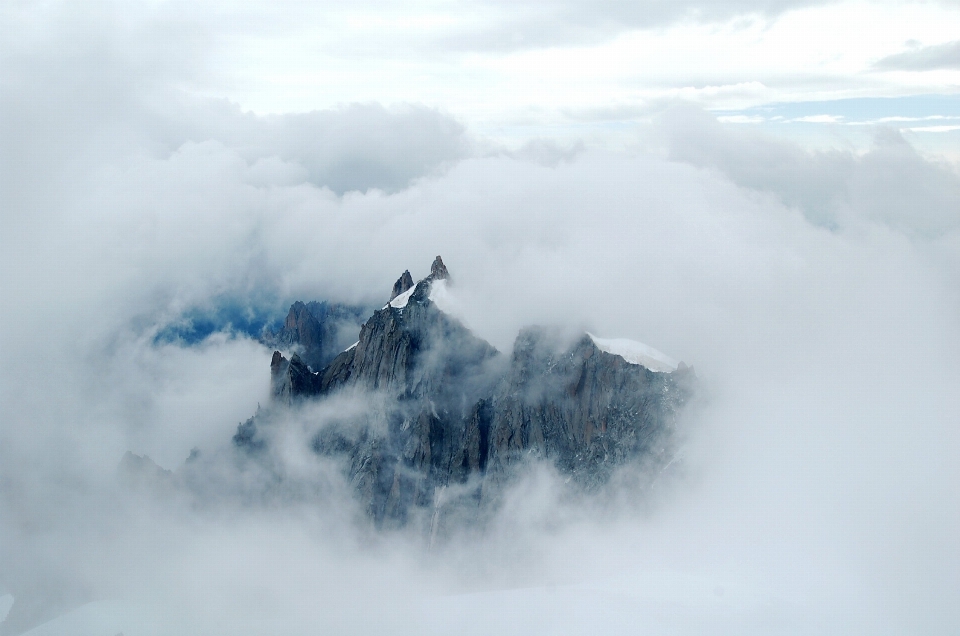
x: 455, y: 411
x: 276, y: 361
x: 403, y: 283
x: 438, y: 271
x: 291, y: 379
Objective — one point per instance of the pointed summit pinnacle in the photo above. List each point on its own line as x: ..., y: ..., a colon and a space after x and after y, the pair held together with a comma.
x: 403, y: 283
x: 438, y: 271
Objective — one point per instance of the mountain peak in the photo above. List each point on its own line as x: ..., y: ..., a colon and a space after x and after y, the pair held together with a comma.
x: 457, y: 413
x: 438, y: 271
x: 403, y: 283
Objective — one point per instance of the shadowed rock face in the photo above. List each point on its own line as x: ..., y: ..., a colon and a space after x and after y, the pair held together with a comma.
x: 438, y: 271
x: 414, y: 352
x: 403, y: 283
x: 460, y: 417
x: 291, y: 378
x: 587, y: 410
x: 318, y: 330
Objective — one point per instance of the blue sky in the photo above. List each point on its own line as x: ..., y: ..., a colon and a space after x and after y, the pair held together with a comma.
x: 931, y: 122
x: 913, y: 111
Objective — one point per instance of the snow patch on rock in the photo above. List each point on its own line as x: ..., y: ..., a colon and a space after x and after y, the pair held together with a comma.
x: 401, y: 301
x: 636, y: 353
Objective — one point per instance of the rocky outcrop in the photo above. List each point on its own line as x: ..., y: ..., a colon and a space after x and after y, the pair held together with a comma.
x: 302, y: 327
x: 456, y: 418
x: 586, y: 410
x: 141, y: 467
x: 438, y: 271
x: 403, y: 283
x: 291, y: 379
x: 412, y: 352
x: 318, y: 331
x: 139, y: 473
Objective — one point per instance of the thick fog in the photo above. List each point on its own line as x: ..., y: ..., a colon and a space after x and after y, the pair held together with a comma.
x: 817, y: 294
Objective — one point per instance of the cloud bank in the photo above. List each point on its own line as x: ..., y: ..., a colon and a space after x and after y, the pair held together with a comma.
x: 926, y: 58
x: 891, y: 182
x: 816, y: 294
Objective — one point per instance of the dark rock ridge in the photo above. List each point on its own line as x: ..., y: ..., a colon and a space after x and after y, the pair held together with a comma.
x: 460, y: 417
x: 318, y: 331
x: 291, y: 378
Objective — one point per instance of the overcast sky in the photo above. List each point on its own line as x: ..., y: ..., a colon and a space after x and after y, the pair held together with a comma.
x: 769, y: 191
x: 508, y: 71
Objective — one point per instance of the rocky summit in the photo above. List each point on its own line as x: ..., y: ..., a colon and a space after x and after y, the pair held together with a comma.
x: 454, y: 419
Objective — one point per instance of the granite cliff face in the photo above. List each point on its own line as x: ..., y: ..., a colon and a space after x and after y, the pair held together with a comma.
x: 403, y: 283
x: 456, y: 418
x: 317, y: 330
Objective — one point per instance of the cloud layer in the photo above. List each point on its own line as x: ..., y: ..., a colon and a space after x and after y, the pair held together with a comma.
x: 890, y: 183
x: 830, y: 357
x: 816, y: 294
x: 927, y: 58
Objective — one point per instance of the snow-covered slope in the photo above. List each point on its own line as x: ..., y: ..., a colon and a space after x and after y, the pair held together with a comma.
x: 401, y: 301
x: 636, y: 353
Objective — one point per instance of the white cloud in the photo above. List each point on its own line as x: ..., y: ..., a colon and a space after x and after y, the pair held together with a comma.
x: 492, y: 64
x: 936, y: 129
x: 819, y: 119
x: 925, y: 58
x: 829, y: 356
x: 891, y: 182
x: 820, y: 483
x: 740, y: 119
